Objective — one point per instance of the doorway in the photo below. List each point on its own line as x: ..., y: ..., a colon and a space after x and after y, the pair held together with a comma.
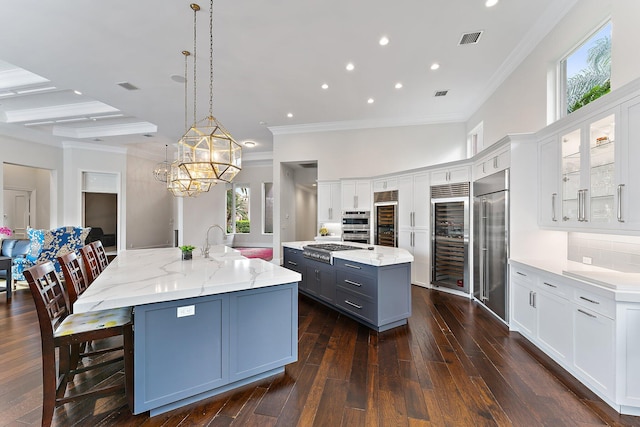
x: 17, y: 211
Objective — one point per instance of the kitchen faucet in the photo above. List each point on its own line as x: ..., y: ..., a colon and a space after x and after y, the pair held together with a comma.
x: 205, y: 251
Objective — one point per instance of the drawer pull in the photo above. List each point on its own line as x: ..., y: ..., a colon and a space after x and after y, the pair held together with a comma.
x: 353, y: 266
x: 549, y: 284
x: 588, y: 314
x: 352, y: 283
x: 522, y: 274
x: 352, y: 304
x: 292, y: 263
x: 589, y: 300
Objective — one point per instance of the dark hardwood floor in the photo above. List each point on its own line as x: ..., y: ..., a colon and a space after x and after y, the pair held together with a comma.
x: 452, y: 365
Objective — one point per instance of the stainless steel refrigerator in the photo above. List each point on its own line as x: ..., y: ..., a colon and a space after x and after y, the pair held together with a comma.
x: 491, y: 241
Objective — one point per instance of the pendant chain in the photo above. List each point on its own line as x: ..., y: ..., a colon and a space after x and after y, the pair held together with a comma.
x: 211, y: 59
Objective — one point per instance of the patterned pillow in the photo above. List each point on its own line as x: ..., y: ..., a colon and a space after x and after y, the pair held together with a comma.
x: 37, y: 242
x: 60, y: 241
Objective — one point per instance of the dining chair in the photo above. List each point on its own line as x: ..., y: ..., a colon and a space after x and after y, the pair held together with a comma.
x: 91, y: 265
x: 61, y: 330
x: 101, y: 254
x: 75, y: 280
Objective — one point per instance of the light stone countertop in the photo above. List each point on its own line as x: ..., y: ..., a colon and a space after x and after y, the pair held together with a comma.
x: 378, y: 256
x: 145, y: 276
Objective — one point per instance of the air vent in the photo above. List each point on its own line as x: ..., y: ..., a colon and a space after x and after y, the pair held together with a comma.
x: 128, y: 86
x: 470, y: 38
x: 450, y: 190
x: 308, y: 165
x: 441, y: 93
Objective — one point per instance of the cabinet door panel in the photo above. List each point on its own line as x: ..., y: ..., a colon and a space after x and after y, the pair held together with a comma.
x: 628, y: 185
x: 555, y: 325
x: 421, y: 201
x: 523, y: 314
x: 549, y: 168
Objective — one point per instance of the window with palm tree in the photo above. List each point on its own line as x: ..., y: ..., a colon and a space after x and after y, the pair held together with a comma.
x: 238, y: 209
x: 588, y: 70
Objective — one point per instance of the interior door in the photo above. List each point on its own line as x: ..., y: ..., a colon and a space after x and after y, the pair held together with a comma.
x: 17, y: 212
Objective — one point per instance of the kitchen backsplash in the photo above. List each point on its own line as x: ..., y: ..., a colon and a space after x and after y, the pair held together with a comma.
x: 621, y: 253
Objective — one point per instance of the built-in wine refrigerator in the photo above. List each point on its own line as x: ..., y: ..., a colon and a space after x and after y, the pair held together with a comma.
x: 450, y: 236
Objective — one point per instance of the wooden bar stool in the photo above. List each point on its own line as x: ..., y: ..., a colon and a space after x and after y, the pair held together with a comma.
x: 75, y: 281
x: 91, y: 265
x: 59, y: 329
x: 98, y: 248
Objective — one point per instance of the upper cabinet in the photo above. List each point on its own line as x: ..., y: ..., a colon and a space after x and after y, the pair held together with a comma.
x: 356, y: 195
x: 496, y: 161
x: 588, y: 168
x: 450, y: 175
x: 329, y: 202
x: 385, y: 184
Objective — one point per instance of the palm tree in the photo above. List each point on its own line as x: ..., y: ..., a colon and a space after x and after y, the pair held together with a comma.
x: 592, y: 81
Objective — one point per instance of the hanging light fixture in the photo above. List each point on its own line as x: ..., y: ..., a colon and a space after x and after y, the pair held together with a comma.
x: 161, y: 171
x: 207, y: 152
x: 178, y: 183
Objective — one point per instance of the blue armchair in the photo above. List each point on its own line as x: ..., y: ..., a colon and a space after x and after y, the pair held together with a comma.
x: 47, y: 245
x: 16, y: 249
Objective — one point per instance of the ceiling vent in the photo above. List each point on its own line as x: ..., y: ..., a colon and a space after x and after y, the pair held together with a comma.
x: 441, y: 93
x: 128, y: 86
x: 470, y: 38
x: 308, y: 165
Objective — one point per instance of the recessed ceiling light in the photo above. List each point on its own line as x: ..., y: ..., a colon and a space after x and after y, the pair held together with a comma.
x: 398, y: 85
x: 177, y: 78
x: 263, y: 123
x: 325, y: 86
x: 370, y: 101
x: 289, y: 115
x: 77, y: 92
x: 384, y: 40
x: 435, y: 66
x: 350, y: 66
x: 249, y: 144
x: 491, y: 3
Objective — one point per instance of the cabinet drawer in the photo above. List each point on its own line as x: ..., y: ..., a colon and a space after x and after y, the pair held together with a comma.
x: 358, y: 283
x: 357, y: 305
x: 353, y: 266
x: 595, y: 302
x: 522, y: 275
x: 553, y: 286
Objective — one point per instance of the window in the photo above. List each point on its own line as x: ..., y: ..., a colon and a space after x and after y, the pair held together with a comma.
x: 267, y: 207
x: 587, y: 71
x: 238, y: 209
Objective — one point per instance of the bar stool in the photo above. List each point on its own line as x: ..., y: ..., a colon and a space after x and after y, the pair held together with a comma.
x: 91, y: 264
x: 59, y: 329
x: 98, y: 248
x: 75, y: 281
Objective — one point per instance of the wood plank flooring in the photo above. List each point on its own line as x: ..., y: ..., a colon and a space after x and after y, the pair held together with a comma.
x: 452, y: 365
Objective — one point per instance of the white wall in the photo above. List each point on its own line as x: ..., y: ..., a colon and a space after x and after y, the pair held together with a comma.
x: 306, y: 209
x: 624, y: 48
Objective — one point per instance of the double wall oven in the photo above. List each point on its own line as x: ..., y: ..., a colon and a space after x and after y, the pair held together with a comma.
x: 355, y: 226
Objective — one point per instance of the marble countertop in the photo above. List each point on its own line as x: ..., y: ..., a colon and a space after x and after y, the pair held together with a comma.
x: 145, y: 276
x: 611, y: 279
x: 378, y: 256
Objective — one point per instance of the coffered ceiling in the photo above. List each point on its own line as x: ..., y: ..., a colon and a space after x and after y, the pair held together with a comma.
x: 110, y: 72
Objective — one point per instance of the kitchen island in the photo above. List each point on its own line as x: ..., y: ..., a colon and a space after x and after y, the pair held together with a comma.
x: 202, y: 326
x: 369, y: 283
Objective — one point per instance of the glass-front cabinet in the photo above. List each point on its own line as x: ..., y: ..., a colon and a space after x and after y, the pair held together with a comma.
x: 588, y: 156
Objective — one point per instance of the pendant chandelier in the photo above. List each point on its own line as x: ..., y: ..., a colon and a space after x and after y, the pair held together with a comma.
x: 162, y: 169
x: 207, y: 153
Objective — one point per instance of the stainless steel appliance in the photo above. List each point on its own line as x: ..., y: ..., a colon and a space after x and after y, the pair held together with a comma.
x: 491, y: 241
x: 322, y: 251
x: 450, y: 236
x: 355, y: 226
x: 385, y: 207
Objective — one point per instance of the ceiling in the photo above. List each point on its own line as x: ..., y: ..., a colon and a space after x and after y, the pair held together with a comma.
x: 270, y: 58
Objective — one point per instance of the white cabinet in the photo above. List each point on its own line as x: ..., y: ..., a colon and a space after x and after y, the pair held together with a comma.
x: 628, y: 387
x: 554, y: 322
x: 413, y: 224
x: 523, y: 309
x: 356, y: 195
x: 450, y: 175
x: 549, y: 181
x: 496, y: 161
x: 385, y: 184
x: 628, y: 184
x: 329, y: 202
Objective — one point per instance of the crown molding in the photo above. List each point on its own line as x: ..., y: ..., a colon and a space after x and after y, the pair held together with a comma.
x: 57, y: 111
x: 105, y: 130
x: 73, y: 145
x: 366, y: 124
x: 543, y: 26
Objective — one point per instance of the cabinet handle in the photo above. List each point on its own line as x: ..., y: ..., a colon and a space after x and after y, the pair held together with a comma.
x: 522, y: 274
x: 353, y: 266
x: 580, y: 205
x: 353, y: 283
x: 359, y: 307
x: 590, y: 300
x: 495, y: 162
x: 413, y: 219
x: 292, y: 263
x: 588, y: 314
x: 330, y: 213
x: 533, y: 298
x: 530, y: 298
x: 584, y: 205
x: 620, y: 219
x: 553, y: 207
x: 549, y: 284
x: 483, y: 168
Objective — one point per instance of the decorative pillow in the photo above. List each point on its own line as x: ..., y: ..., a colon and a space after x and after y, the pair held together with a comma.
x: 61, y: 241
x: 37, y: 242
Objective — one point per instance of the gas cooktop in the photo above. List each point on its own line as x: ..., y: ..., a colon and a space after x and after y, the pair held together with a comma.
x: 331, y: 247
x: 322, y: 251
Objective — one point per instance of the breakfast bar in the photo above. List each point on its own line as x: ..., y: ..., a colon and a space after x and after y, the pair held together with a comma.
x: 202, y: 326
